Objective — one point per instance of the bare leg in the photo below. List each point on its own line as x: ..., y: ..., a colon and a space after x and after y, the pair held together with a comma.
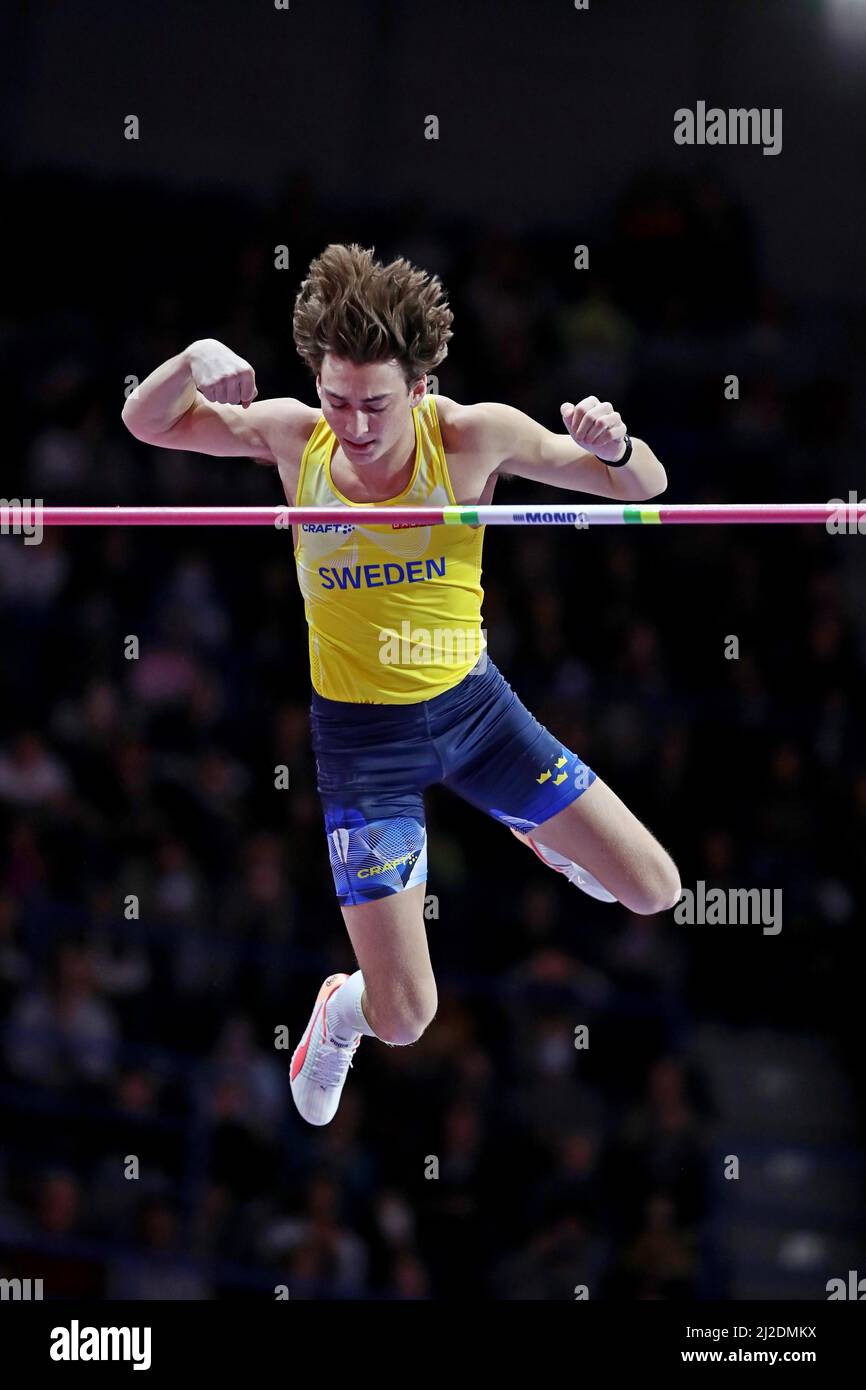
x: 389, y: 937
x: 599, y: 832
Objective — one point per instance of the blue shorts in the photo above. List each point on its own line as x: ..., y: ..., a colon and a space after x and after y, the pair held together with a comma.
x: 373, y: 763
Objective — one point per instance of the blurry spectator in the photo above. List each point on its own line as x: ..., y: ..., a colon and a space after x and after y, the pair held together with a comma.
x: 30, y: 775
x: 661, y: 1256
x: 408, y: 1278
x: 14, y: 963
x: 65, y: 1033
x: 32, y: 577
x: 322, y: 1250
x: 162, y: 1271
x: 258, y: 1081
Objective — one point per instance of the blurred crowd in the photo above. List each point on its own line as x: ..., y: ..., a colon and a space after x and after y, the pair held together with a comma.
x: 165, y: 910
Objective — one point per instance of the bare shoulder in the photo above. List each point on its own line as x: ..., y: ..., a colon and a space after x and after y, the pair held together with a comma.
x: 480, y: 429
x: 286, y: 425
x: 457, y: 419
x: 467, y: 427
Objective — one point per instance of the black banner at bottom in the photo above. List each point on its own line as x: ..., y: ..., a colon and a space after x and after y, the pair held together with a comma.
x: 249, y: 1336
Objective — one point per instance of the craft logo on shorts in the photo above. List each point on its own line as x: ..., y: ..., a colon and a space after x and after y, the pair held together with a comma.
x: 736, y: 126
x: 77, y: 1343
x: 386, y: 865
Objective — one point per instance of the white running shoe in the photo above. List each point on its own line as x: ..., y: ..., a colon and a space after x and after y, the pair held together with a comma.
x: 320, y: 1064
x: 573, y: 872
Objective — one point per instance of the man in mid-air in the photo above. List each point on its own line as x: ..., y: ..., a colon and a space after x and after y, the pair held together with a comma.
x: 389, y: 717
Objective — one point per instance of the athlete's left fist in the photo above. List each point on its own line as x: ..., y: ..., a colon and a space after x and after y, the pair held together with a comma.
x: 596, y: 426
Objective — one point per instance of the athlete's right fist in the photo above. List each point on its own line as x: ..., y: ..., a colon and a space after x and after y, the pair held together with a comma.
x: 220, y: 375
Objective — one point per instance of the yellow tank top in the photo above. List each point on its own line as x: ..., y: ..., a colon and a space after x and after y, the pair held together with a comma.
x: 394, y: 613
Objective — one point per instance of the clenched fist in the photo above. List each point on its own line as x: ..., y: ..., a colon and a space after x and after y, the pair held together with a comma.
x: 596, y: 426
x: 220, y: 375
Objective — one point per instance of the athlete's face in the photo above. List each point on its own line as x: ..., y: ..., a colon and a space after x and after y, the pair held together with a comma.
x: 368, y: 407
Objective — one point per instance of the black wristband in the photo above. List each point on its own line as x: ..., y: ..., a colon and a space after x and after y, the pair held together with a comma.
x: 620, y: 463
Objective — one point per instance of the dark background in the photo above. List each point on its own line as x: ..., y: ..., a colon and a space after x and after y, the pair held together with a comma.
x: 154, y: 1037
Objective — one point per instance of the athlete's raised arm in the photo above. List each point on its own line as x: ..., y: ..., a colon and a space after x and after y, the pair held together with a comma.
x: 582, y: 460
x: 202, y: 400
